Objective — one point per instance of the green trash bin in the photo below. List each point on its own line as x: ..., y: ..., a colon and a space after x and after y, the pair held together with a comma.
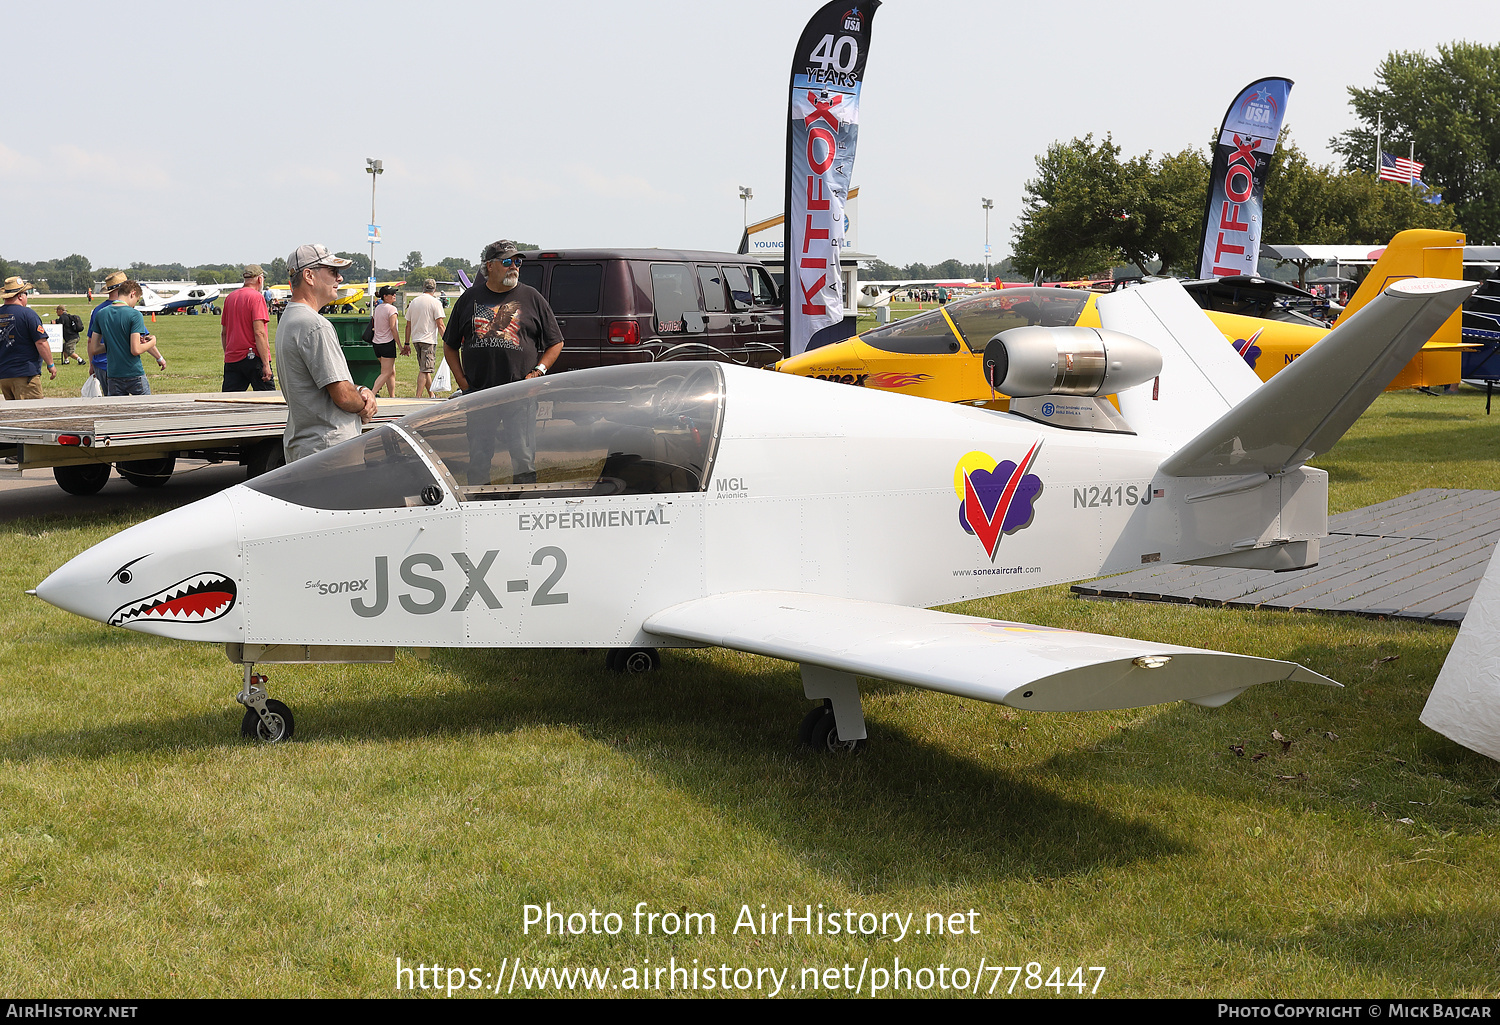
x: 364, y: 365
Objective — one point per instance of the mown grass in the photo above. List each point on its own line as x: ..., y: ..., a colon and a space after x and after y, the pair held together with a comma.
x: 146, y: 851
x: 192, y: 347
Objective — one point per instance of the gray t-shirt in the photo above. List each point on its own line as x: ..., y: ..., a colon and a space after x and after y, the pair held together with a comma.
x: 308, y: 350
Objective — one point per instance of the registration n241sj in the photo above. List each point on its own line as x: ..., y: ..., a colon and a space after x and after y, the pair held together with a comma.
x: 676, y: 504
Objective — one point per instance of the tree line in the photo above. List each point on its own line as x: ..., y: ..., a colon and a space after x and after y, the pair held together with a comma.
x: 1089, y: 208
x: 75, y: 273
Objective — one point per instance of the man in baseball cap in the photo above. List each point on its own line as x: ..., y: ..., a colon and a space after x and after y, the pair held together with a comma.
x: 424, y: 329
x: 312, y: 255
x: 23, y: 344
x: 244, y: 332
x: 323, y: 405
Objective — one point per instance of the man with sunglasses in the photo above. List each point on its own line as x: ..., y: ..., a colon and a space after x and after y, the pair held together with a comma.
x: 323, y: 406
x: 501, y: 331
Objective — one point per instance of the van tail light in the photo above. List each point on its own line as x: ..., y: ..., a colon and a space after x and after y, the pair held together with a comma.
x: 624, y: 332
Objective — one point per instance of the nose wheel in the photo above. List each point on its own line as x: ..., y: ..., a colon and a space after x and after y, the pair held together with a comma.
x: 266, y: 719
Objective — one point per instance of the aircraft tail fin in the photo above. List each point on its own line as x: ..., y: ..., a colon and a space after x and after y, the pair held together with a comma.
x: 1202, y: 377
x: 1415, y: 253
x: 1309, y: 405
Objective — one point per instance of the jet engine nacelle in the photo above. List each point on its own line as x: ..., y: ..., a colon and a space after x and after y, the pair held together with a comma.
x: 1027, y: 361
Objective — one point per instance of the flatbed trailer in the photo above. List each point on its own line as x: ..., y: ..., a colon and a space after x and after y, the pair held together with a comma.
x: 143, y: 436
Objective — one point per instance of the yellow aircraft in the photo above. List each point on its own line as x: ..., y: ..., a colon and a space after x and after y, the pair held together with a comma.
x: 351, y: 294
x: 938, y: 353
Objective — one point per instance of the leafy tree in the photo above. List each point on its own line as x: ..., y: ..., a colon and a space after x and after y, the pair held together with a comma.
x: 1316, y: 204
x: 1087, y: 210
x: 276, y: 272
x: 359, y: 266
x: 411, y: 263
x: 1449, y: 108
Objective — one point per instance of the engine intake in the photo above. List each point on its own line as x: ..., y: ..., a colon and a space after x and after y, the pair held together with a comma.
x: 1027, y: 361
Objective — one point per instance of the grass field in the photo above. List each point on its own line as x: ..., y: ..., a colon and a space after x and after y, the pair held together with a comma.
x: 146, y: 851
x: 192, y: 347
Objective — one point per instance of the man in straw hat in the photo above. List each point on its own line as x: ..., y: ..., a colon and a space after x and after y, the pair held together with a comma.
x: 119, y: 331
x: 245, y: 329
x: 24, y: 347
x: 323, y: 405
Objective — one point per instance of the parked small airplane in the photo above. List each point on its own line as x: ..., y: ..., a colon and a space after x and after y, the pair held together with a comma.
x: 180, y: 302
x: 612, y: 507
x: 938, y: 353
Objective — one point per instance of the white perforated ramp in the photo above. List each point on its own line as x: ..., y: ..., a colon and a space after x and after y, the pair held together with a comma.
x: 1420, y: 556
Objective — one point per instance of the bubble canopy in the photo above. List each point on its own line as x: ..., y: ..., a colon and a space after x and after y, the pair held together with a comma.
x: 978, y: 319
x: 624, y: 430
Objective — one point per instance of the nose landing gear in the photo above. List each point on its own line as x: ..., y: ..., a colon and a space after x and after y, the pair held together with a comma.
x: 266, y: 719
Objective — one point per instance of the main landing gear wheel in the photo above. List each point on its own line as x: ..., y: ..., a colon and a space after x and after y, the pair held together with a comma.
x: 84, y: 479
x: 819, y: 731
x: 279, y: 728
x: 632, y: 660
x: 148, y: 473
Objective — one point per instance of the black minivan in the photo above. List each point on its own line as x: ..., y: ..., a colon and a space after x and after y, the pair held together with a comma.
x: 648, y: 305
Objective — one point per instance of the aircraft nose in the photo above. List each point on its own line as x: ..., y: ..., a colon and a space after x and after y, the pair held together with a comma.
x: 175, y: 575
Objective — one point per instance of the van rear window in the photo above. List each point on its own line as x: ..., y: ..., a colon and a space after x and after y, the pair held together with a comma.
x: 576, y: 287
x: 531, y: 274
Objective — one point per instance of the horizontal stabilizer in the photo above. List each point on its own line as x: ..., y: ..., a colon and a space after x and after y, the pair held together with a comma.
x: 1309, y: 405
x: 1031, y: 667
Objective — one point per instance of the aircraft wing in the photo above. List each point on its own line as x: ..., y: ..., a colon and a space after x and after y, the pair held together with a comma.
x: 1032, y: 667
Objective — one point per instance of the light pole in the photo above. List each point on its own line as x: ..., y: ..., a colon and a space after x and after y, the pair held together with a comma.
x: 375, y: 168
x: 746, y: 195
x: 988, y: 204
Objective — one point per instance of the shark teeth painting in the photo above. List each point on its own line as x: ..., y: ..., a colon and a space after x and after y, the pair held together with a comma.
x: 198, y: 599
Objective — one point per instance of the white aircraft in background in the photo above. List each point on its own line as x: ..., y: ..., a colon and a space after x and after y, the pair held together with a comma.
x: 177, y: 302
x: 871, y: 295
x: 628, y: 508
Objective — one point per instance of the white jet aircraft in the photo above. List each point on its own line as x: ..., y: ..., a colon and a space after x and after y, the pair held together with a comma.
x: 625, y: 508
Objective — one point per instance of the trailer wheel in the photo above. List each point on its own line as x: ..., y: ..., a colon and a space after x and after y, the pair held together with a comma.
x: 148, y: 473
x: 82, y: 479
x: 263, y: 457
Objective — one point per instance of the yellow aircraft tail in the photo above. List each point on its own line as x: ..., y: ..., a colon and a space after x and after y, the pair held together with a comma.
x: 1420, y: 253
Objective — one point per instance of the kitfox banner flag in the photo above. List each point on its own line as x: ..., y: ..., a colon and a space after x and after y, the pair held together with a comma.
x: 823, y: 127
x: 1236, y: 187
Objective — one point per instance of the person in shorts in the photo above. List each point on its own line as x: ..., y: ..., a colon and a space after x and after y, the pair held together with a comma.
x: 424, y: 329
x: 72, y: 328
x: 24, y: 346
x: 384, y: 316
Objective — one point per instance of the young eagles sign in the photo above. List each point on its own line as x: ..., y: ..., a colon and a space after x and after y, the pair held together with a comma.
x: 823, y: 116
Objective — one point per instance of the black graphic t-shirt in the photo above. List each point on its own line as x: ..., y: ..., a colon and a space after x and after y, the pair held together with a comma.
x: 500, y: 335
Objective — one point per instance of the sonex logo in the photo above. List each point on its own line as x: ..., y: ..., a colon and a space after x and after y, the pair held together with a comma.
x: 995, y: 498
x: 1247, y: 348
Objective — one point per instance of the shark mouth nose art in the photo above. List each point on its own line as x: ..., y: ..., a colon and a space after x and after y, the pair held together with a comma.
x: 198, y: 599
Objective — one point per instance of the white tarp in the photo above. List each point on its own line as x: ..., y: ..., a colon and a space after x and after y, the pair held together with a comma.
x: 1464, y: 705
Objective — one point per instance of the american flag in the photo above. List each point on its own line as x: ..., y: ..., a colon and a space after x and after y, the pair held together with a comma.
x: 1399, y: 169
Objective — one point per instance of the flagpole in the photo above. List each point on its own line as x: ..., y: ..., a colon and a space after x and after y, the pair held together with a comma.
x: 1378, y: 125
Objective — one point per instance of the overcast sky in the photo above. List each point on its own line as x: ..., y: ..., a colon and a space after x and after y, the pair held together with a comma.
x: 231, y: 133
